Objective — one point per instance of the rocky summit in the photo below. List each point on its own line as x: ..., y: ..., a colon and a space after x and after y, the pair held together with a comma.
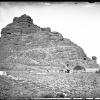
x: 38, y: 62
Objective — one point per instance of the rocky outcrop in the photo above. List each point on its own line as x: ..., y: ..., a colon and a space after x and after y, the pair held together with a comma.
x: 24, y: 42
x: 32, y: 50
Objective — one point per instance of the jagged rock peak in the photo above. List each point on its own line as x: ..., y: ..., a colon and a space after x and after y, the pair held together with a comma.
x: 23, y: 18
x: 20, y: 25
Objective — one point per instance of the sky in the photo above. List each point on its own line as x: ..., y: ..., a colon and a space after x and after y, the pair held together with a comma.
x: 80, y: 22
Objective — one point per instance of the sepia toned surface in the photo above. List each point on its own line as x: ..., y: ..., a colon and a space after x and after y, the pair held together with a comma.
x: 36, y: 62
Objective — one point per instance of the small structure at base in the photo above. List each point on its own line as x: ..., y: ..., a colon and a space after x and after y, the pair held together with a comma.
x: 79, y: 68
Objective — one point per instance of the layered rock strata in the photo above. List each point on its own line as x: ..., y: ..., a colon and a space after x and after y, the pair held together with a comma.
x: 31, y: 53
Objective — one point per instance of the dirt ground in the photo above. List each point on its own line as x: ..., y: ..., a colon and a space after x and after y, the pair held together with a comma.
x: 80, y: 85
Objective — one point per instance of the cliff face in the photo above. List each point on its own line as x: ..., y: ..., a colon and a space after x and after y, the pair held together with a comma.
x: 34, y: 57
x: 24, y: 42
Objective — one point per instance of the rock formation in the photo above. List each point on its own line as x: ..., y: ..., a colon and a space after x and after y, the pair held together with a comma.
x: 31, y: 53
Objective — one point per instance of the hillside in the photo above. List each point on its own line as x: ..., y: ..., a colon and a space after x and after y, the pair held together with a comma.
x: 36, y: 57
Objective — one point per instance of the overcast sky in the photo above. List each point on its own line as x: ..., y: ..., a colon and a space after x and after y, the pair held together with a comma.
x: 79, y: 22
